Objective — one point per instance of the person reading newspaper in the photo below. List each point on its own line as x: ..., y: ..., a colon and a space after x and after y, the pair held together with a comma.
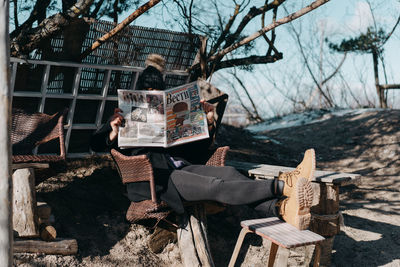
x: 180, y: 173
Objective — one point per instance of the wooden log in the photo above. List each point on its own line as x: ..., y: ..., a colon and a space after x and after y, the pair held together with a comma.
x: 160, y: 238
x: 57, y: 247
x: 326, y: 251
x: 325, y: 219
x: 325, y: 225
x: 192, y: 239
x: 34, y: 165
x: 47, y: 232
x: 328, y: 196
x: 44, y: 213
x: 24, y: 203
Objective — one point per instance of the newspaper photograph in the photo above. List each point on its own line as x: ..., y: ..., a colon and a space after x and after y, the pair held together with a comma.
x: 161, y: 118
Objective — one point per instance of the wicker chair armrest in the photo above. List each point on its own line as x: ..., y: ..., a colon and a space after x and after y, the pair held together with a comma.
x: 219, y: 156
x: 133, y: 168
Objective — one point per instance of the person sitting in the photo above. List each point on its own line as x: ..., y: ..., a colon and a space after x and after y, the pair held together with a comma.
x: 180, y: 173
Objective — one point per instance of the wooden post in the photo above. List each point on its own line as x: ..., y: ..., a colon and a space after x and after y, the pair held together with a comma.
x: 5, y: 148
x: 325, y: 219
x: 25, y: 218
x: 192, y: 240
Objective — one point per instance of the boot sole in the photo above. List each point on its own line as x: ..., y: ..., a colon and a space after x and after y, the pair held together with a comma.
x: 312, y: 151
x: 304, y: 199
x: 313, y: 160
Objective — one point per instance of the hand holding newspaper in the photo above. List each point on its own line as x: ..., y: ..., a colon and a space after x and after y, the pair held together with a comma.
x: 161, y: 118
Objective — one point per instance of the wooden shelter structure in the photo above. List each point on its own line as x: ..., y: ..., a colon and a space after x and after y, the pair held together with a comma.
x: 56, y: 77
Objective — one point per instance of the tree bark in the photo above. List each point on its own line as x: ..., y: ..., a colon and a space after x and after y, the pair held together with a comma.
x: 5, y: 147
x: 192, y: 240
x: 29, y: 40
x: 25, y: 219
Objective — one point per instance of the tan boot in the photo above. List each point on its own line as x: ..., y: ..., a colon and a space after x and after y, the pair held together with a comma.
x: 295, y: 209
x: 305, y: 169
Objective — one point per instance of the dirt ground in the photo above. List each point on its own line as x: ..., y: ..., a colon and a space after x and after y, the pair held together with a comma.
x: 88, y: 202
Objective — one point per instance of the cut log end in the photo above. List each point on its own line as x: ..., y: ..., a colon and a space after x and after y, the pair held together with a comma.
x: 48, y: 233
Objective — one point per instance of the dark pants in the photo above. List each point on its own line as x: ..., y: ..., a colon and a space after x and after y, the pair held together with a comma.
x: 225, y: 185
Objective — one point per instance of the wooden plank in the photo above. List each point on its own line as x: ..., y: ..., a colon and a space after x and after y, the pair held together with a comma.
x: 30, y: 165
x: 281, y: 233
x: 59, y: 246
x: 258, y: 170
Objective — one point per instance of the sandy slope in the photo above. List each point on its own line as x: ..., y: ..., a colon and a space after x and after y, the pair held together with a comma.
x: 88, y: 203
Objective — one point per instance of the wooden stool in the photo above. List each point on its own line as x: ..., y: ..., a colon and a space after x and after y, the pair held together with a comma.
x: 280, y: 234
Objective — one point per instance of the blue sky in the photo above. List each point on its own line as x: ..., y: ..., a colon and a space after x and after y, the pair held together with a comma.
x: 337, y: 19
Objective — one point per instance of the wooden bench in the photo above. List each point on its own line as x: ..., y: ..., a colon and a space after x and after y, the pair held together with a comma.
x: 280, y: 234
x: 325, y: 215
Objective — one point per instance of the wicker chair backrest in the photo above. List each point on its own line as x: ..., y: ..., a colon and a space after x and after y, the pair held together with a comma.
x: 29, y: 130
x: 133, y: 168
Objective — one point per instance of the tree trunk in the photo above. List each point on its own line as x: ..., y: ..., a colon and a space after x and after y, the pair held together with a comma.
x: 27, y: 41
x: 5, y: 147
x: 192, y: 239
x: 379, y: 91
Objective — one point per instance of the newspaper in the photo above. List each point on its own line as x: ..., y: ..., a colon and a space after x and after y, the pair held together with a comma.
x: 161, y: 118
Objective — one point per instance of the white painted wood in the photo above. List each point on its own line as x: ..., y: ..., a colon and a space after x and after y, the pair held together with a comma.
x: 73, y: 104
x: 5, y: 147
x: 104, y: 91
x: 43, y: 88
x: 93, y: 66
x: 74, y: 96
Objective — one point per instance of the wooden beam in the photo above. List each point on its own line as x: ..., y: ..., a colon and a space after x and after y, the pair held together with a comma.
x: 389, y: 86
x: 6, y: 255
x: 57, y: 247
x: 30, y: 165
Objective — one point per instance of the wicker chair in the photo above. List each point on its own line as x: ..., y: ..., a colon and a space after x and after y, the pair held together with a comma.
x: 138, y: 168
x: 29, y: 130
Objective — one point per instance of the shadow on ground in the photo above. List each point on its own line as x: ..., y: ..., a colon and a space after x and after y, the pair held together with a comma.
x: 90, y: 209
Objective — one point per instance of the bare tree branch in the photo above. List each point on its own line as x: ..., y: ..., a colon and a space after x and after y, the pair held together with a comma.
x: 27, y: 41
x: 142, y: 9
x: 336, y: 70
x: 226, y: 30
x: 16, y: 14
x: 271, y: 26
x: 253, y: 12
x: 306, y: 62
x: 248, y: 61
x: 256, y: 117
x: 40, y: 6
x: 390, y: 86
x: 96, y: 9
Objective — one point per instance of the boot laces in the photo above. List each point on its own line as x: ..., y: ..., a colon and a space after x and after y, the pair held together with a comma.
x: 289, y: 177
